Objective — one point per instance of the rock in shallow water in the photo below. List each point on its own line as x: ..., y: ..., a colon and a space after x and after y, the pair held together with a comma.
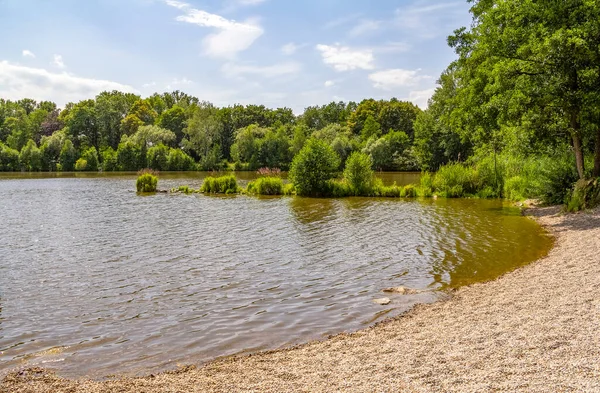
x: 383, y: 301
x: 401, y: 290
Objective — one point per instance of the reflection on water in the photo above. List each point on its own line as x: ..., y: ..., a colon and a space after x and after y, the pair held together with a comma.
x: 96, y: 280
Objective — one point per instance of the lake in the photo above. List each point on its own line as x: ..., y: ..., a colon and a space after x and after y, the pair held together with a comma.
x: 96, y: 280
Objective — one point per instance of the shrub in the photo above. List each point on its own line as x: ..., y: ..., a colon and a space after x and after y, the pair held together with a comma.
x: 409, y: 191
x: 91, y: 158
x: 313, y: 167
x: 179, y: 161
x: 358, y: 174
x: 554, y: 179
x: 147, y: 181
x: 109, y: 160
x: 184, y: 190
x: 267, y: 186
x: 220, y: 185
x: 9, y: 159
x: 289, y: 189
x: 31, y: 157
x: 426, y: 180
x: 158, y: 157
x: 81, y: 165
x: 515, y: 188
x: 339, y: 189
x: 455, y: 180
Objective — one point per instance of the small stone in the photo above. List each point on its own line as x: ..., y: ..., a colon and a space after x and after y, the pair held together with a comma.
x: 383, y: 301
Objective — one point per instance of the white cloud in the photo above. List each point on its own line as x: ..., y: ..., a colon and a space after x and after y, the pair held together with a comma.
x: 429, y: 20
x: 231, y: 36
x: 58, y: 61
x: 392, y: 47
x: 329, y: 83
x: 250, y: 2
x: 364, y: 26
x: 289, y: 49
x: 151, y: 84
x: 393, y: 78
x: 421, y: 98
x: 343, y: 58
x: 236, y: 70
x: 179, y: 82
x: 341, y: 21
x: 28, y: 53
x: 18, y: 82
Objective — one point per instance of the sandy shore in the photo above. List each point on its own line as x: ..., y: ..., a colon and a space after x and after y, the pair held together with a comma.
x: 536, y: 329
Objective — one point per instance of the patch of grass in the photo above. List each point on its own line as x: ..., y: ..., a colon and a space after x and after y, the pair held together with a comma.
x: 220, y: 185
x: 147, y: 181
x: 266, y: 186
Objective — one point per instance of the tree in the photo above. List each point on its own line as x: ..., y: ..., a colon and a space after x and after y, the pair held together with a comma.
x: 314, y: 166
x: 370, y: 128
x: 523, y: 57
x: 158, y: 157
x: 203, y: 133
x: 148, y: 136
x: 173, y: 119
x: 68, y: 156
x: 358, y: 173
x: 31, y: 157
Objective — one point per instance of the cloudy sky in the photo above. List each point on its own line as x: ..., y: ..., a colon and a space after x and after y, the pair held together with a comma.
x: 272, y: 52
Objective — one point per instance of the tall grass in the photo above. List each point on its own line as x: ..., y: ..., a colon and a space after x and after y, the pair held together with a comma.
x: 147, y: 181
x: 266, y: 186
x: 220, y: 185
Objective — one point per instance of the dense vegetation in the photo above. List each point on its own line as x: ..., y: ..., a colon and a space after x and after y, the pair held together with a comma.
x: 177, y: 132
x: 516, y: 116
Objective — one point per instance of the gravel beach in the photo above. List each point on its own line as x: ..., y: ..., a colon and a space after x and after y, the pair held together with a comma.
x: 536, y: 329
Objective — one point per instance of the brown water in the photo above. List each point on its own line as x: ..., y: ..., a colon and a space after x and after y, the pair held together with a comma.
x: 95, y: 279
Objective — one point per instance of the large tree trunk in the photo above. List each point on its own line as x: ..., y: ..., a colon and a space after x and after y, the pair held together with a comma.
x: 577, y: 145
x: 597, y: 155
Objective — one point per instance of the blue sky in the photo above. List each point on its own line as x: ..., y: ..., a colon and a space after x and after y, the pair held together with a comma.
x: 272, y: 52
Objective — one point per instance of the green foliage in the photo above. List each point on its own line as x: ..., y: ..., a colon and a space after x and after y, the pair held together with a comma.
x: 313, y: 167
x: 184, y: 190
x: 30, y: 157
x: 289, y: 189
x: 455, y: 180
x: 390, y: 152
x: 358, y: 174
x: 220, y: 185
x: 9, y: 159
x: 128, y: 156
x: 81, y: 165
x: 91, y: 158
x: 371, y: 128
x: 151, y: 136
x: 177, y: 160
x: 68, y: 156
x: 110, y: 161
x: 147, y: 181
x: 267, y: 186
x: 158, y: 157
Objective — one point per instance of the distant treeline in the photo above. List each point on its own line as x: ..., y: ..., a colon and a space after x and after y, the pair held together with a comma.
x: 177, y: 132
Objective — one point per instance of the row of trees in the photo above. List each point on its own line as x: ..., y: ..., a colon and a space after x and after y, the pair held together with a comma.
x: 175, y: 131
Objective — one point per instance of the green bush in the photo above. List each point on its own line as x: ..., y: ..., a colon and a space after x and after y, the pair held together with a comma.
x: 267, y: 186
x: 220, y: 185
x: 339, y: 189
x: 31, y: 157
x: 515, y: 188
x: 313, y: 167
x: 455, y: 180
x: 109, y: 160
x: 358, y: 174
x: 554, y: 179
x: 409, y: 191
x: 91, y: 158
x: 158, y: 157
x: 177, y: 160
x: 81, y: 165
x: 289, y: 189
x: 9, y: 159
x: 147, y: 181
x: 184, y: 190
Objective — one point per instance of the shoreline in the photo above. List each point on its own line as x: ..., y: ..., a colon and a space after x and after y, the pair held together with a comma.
x: 534, y: 329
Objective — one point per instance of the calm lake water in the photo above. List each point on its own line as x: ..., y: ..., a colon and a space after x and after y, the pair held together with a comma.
x: 96, y: 280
